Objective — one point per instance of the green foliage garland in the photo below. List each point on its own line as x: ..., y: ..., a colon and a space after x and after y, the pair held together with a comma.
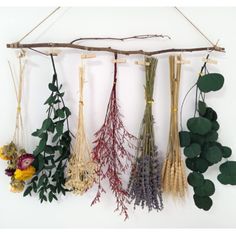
x: 201, y: 145
x: 53, y: 150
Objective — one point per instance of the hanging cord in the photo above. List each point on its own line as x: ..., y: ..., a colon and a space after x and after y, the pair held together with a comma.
x: 18, y: 137
x: 41, y: 22
x: 214, y: 45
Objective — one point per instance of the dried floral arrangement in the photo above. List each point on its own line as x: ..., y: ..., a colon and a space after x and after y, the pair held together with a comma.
x: 174, y: 179
x: 19, y: 162
x: 53, y: 150
x: 201, y: 145
x: 81, y: 169
x: 111, y: 153
x: 144, y: 186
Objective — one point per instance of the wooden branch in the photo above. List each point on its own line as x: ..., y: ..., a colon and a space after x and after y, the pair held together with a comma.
x: 112, y: 50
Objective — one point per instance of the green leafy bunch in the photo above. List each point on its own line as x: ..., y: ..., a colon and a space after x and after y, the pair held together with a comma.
x: 201, y: 145
x: 53, y: 150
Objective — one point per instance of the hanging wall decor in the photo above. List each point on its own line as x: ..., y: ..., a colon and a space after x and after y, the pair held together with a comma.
x: 81, y: 169
x: 144, y: 186
x: 19, y: 162
x: 53, y: 150
x: 173, y: 171
x: 200, y: 142
x: 110, y: 152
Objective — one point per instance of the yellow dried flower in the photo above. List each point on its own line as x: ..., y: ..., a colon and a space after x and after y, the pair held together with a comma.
x: 24, y: 174
x: 3, y: 156
x: 17, y: 186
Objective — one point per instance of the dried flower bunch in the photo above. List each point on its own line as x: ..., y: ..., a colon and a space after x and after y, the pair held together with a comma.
x: 19, y: 163
x: 145, y: 181
x: 81, y: 169
x: 174, y: 179
x: 19, y: 166
x: 110, y: 152
x: 53, y: 150
x: 201, y: 145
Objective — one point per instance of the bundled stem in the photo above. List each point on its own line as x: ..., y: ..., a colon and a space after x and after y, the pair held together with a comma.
x: 110, y: 152
x: 81, y: 169
x: 145, y: 180
x: 173, y: 172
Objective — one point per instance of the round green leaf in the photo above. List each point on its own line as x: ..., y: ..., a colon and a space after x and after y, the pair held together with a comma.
x: 196, y: 138
x: 211, y: 114
x: 201, y: 108
x: 210, y: 82
x: 212, y: 136
x: 184, y: 138
x: 193, y: 150
x: 201, y: 165
x: 213, y: 154
x: 224, y: 179
x: 207, y: 188
x: 199, y: 125
x: 204, y: 203
x: 228, y: 168
x: 215, y: 125
x: 191, y: 163
x: 226, y: 151
x: 195, y: 179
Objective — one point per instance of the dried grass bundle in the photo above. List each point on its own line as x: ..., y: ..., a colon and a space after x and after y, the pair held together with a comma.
x: 145, y: 181
x: 81, y: 169
x: 173, y: 170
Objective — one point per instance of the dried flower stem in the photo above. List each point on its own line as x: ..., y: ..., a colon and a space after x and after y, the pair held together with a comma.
x: 173, y: 172
x: 110, y: 153
x: 81, y: 169
x: 145, y: 180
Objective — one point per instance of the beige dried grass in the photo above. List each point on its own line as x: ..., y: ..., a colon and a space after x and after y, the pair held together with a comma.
x: 173, y: 172
x: 81, y: 168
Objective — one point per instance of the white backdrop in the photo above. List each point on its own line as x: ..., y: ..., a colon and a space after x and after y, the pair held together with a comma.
x: 70, y: 23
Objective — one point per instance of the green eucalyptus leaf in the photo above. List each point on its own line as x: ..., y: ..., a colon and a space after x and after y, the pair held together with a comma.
x: 197, y: 138
x: 191, y: 163
x: 210, y: 114
x: 193, y: 150
x: 52, y: 87
x: 184, y: 138
x: 215, y: 125
x: 226, y: 152
x: 195, y: 179
x: 206, y: 189
x: 27, y: 191
x: 201, y: 165
x: 201, y: 108
x: 204, y: 203
x: 229, y: 167
x: 213, y: 154
x: 47, y: 123
x: 210, y: 82
x: 199, y: 125
x: 212, y: 136
x: 59, y: 128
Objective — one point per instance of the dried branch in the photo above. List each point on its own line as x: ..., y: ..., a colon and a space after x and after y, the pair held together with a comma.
x: 112, y: 50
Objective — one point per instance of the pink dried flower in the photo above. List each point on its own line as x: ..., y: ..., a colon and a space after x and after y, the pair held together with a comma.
x: 25, y: 161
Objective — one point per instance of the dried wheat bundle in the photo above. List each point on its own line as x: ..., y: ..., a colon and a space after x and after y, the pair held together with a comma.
x: 173, y: 170
x: 81, y: 169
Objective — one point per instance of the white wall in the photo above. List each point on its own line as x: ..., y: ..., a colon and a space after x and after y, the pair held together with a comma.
x: 70, y: 23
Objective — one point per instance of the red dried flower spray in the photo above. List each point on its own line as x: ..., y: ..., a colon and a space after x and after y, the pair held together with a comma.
x: 110, y: 152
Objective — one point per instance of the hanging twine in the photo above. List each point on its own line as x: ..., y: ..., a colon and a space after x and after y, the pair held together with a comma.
x: 81, y: 169
x: 18, y: 137
x: 173, y: 171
